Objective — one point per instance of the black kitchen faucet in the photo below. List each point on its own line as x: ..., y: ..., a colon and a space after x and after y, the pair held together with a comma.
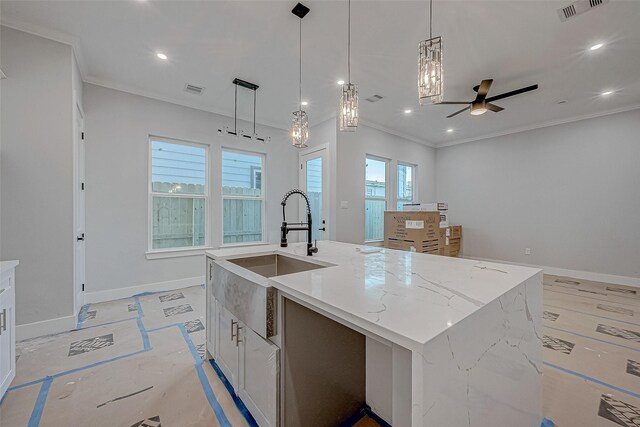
x: 299, y: 226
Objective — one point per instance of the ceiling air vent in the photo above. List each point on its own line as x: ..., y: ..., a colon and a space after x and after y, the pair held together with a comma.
x: 374, y: 98
x: 196, y: 90
x: 579, y: 7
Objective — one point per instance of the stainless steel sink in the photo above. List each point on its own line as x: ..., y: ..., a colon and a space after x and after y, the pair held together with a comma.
x: 242, y: 286
x: 274, y: 265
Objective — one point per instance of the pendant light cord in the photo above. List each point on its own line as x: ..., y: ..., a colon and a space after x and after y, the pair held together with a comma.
x: 300, y: 76
x: 349, y: 45
x: 430, y: 18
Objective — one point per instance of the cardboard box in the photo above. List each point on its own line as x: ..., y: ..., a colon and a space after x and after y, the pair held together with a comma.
x: 425, y: 207
x: 417, y: 230
x: 450, y: 245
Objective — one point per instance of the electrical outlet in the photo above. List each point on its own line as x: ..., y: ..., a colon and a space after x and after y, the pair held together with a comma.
x: 527, y: 251
x: 344, y: 204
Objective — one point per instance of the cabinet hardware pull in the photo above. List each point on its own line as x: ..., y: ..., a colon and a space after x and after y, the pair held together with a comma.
x: 233, y: 336
x: 3, y: 321
x: 238, y: 340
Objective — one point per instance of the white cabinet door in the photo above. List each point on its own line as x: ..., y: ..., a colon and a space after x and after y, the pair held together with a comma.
x: 7, y: 339
x: 226, y: 344
x: 259, y: 374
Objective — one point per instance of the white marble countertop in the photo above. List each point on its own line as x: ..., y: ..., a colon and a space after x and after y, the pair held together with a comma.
x: 404, y: 297
x: 8, y: 265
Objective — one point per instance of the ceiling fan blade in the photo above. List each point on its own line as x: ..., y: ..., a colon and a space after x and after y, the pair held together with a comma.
x: 453, y: 102
x: 458, y: 112
x: 483, y: 89
x: 493, y: 107
x: 512, y: 93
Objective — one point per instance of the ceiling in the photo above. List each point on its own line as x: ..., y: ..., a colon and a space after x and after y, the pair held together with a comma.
x: 209, y: 43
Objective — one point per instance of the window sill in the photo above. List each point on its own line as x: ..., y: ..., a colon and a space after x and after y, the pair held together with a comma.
x: 235, y: 245
x: 176, y: 253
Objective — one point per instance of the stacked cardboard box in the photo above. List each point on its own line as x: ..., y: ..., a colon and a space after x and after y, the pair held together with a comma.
x: 450, y: 238
x: 417, y: 231
x: 442, y: 207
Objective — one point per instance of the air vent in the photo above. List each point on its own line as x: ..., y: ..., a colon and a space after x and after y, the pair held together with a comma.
x: 196, y: 90
x: 579, y: 7
x: 374, y: 98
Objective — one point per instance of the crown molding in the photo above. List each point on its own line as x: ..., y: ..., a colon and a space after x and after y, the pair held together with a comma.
x: 541, y: 125
x: 151, y: 95
x: 398, y: 133
x: 57, y: 36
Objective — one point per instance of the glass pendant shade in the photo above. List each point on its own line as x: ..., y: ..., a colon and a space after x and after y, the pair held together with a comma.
x: 300, y: 129
x: 430, y: 76
x: 349, y: 108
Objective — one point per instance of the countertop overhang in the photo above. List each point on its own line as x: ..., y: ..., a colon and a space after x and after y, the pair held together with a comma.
x: 407, y: 298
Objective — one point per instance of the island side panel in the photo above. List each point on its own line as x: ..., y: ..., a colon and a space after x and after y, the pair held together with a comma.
x: 487, y: 369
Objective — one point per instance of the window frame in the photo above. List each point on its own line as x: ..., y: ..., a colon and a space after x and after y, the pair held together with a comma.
x: 206, y: 196
x: 414, y: 182
x: 262, y: 198
x: 386, y: 197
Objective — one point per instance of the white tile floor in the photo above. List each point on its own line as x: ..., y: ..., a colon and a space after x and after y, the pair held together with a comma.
x: 137, y: 362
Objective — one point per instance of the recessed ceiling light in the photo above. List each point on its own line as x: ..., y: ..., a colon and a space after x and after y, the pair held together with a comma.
x: 340, y: 82
x: 408, y: 111
x: 161, y: 56
x: 304, y: 103
x: 596, y: 46
x: 449, y: 130
x: 608, y: 92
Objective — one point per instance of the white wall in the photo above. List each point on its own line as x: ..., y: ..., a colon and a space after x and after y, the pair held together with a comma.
x: 325, y: 134
x: 570, y: 192
x: 352, y: 148
x: 37, y: 167
x: 117, y: 127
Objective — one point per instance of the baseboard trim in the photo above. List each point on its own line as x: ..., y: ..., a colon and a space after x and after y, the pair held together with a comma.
x: 127, y: 292
x: 45, y: 327
x: 576, y: 274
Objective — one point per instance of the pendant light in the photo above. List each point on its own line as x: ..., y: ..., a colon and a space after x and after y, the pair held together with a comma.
x: 349, y: 98
x: 300, y: 124
x: 430, y: 75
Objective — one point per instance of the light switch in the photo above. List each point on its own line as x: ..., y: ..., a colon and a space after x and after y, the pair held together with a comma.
x: 344, y: 204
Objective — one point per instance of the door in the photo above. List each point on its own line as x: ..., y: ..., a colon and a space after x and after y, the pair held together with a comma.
x: 227, y: 345
x: 314, y: 181
x: 259, y: 377
x: 79, y: 214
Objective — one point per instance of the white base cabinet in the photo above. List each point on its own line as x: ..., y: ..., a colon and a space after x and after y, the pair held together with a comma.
x: 251, y: 364
x: 7, y: 325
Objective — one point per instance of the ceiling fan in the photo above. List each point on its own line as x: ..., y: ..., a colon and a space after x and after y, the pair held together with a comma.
x: 482, y: 104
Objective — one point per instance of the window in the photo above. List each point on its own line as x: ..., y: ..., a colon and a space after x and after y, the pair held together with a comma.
x: 375, y: 198
x: 178, y: 194
x: 242, y: 197
x: 406, y: 185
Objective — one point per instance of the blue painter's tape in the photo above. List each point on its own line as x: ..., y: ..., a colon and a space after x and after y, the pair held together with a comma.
x: 139, y: 306
x: 547, y: 423
x: 30, y: 383
x: 36, y: 415
x: 160, y: 328
x: 364, y: 411
x: 145, y: 335
x: 593, y: 380
x: 82, y: 315
x: 204, y: 381
x: 236, y: 399
x: 593, y: 315
x: 591, y: 338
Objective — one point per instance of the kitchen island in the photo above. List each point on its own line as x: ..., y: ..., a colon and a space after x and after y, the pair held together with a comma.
x: 445, y: 341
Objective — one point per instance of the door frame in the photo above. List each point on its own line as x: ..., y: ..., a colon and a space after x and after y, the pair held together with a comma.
x: 78, y: 128
x: 325, y: 182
